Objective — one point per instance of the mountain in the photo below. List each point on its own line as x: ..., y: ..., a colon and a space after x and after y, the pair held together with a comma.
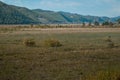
x: 115, y: 18
x: 10, y: 14
x: 50, y: 16
x: 27, y: 12
x: 76, y: 18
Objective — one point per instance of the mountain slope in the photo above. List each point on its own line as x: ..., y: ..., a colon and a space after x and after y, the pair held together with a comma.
x: 10, y: 14
x: 50, y: 16
x: 26, y: 12
x: 76, y: 18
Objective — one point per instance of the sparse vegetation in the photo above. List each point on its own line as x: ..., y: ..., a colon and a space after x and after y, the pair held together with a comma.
x: 29, y: 42
x: 84, y: 55
x: 76, y: 51
x: 107, y: 23
x: 52, y: 43
x: 110, y: 43
x: 106, y: 75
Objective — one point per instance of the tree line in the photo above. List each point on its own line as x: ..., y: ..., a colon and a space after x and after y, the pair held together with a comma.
x: 106, y: 23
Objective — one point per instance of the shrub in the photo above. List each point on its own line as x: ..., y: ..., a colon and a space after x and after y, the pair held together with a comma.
x: 110, y: 43
x: 108, y: 39
x: 96, y: 23
x: 29, y: 42
x: 52, y: 43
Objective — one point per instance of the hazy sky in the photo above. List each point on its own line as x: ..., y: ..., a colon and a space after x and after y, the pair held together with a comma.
x: 85, y: 7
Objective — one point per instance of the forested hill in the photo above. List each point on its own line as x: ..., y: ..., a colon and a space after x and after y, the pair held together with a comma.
x: 10, y: 14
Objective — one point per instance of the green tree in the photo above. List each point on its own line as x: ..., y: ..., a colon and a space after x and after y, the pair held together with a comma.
x: 83, y: 24
x: 89, y: 24
x: 105, y: 23
x: 96, y: 23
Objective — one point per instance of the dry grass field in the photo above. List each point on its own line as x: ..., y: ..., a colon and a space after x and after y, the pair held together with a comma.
x: 85, y: 54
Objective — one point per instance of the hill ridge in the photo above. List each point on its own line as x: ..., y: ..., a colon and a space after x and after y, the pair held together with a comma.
x: 10, y: 14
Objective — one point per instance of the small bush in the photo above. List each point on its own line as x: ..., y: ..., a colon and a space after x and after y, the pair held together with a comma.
x: 29, y: 42
x: 110, y: 43
x: 52, y: 43
x: 108, y: 39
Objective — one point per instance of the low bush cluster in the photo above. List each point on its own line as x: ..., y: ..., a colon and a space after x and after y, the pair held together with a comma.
x: 29, y: 42
x: 109, y: 42
x: 52, y: 43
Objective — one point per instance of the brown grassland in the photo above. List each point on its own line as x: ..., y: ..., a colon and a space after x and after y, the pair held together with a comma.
x: 84, y: 54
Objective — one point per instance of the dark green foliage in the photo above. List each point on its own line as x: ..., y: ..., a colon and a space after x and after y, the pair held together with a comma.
x: 96, y: 23
x: 107, y: 23
x: 83, y: 24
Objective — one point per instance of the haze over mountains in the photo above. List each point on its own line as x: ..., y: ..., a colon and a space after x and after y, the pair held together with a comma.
x: 10, y: 14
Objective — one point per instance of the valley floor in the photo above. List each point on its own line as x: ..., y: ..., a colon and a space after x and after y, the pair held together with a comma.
x: 85, y: 54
